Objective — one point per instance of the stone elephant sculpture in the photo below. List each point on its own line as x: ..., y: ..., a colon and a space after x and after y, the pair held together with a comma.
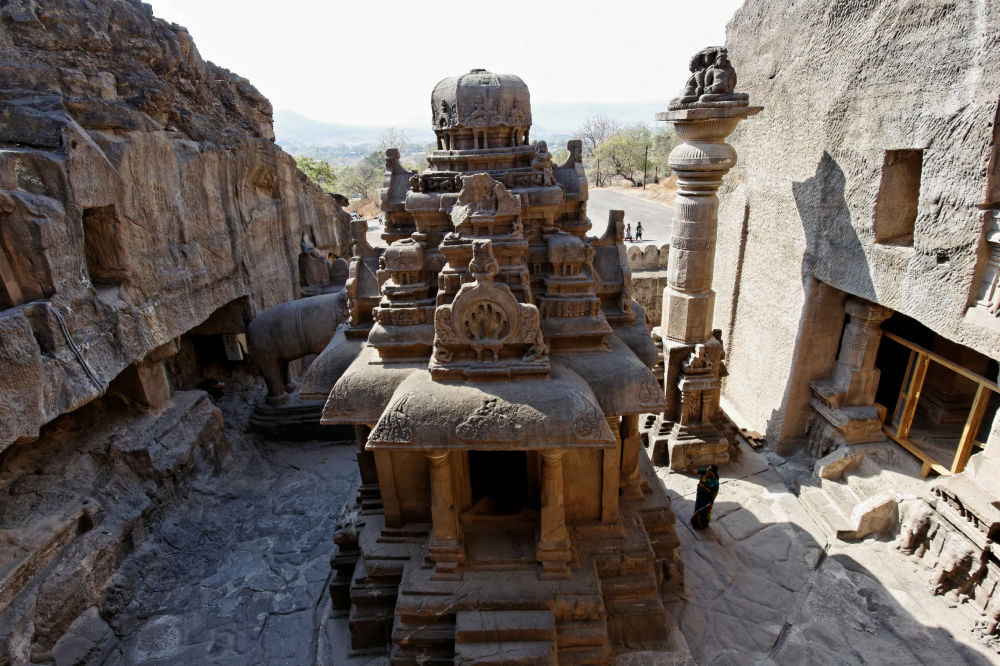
x: 288, y: 332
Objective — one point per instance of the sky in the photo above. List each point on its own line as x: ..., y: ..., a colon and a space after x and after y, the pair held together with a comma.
x: 368, y: 62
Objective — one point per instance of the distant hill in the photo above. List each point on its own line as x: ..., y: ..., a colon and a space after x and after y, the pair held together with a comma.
x: 553, y: 122
x: 294, y: 128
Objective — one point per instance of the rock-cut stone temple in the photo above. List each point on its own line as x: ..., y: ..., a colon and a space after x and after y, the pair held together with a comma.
x: 506, y: 506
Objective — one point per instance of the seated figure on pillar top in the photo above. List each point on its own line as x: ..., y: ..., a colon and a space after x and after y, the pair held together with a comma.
x: 712, y: 82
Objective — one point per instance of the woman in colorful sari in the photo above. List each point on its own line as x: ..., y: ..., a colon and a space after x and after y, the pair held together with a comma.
x: 708, y: 488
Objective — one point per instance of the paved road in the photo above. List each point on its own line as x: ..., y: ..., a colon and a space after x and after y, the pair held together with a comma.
x: 655, y: 216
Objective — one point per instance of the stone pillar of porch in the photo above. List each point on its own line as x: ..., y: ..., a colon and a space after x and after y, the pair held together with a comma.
x: 631, y: 479
x: 554, y: 549
x: 445, y: 548
x: 844, y: 404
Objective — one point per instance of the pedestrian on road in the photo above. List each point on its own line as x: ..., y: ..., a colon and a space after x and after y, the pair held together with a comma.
x: 628, y: 233
x: 638, y: 231
x: 708, y: 488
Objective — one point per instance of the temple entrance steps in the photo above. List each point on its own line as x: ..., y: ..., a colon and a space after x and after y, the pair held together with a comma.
x: 581, y: 630
x: 374, y: 585
x: 855, y: 491
x: 495, y: 637
x: 627, y: 567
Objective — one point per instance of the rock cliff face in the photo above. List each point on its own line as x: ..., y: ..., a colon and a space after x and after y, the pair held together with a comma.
x: 873, y: 112
x: 140, y: 192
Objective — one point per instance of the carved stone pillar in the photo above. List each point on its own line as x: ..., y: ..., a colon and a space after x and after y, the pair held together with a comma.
x: 554, y: 550
x: 445, y: 548
x: 844, y: 404
x: 689, y: 433
x: 631, y: 479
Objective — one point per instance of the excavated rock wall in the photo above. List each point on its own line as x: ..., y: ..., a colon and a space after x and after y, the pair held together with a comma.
x: 140, y: 191
x: 842, y: 82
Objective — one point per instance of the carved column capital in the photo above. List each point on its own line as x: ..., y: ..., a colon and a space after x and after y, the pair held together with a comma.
x: 865, y: 312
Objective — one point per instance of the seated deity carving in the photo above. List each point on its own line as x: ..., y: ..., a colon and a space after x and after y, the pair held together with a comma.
x: 712, y: 82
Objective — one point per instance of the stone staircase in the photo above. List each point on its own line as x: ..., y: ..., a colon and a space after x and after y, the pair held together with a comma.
x: 497, y: 637
x: 855, y: 490
x: 375, y: 581
x: 582, y: 630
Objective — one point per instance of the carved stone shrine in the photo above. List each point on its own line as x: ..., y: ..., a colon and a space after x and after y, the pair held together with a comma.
x: 706, y: 112
x: 506, y: 512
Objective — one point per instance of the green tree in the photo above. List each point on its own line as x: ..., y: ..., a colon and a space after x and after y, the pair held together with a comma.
x: 594, y: 132
x: 624, y: 152
x: 319, y: 172
x: 365, y: 176
x: 663, y: 141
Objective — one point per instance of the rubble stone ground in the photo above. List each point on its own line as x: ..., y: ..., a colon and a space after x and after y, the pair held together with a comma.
x: 236, y: 570
x: 236, y: 573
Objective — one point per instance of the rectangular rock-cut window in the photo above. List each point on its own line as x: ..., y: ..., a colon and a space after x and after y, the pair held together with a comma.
x: 102, y: 245
x: 898, y: 194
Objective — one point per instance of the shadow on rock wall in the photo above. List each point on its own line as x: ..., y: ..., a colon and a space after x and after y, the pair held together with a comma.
x: 834, y: 255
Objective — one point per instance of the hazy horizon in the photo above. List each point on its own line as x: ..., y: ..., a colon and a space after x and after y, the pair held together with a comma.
x: 375, y: 65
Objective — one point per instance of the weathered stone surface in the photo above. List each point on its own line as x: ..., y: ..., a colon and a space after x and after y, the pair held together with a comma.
x: 245, y: 586
x: 79, y: 501
x: 140, y: 191
x: 775, y: 592
x: 832, y: 114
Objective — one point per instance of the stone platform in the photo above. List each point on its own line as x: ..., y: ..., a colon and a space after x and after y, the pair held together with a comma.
x: 500, y: 609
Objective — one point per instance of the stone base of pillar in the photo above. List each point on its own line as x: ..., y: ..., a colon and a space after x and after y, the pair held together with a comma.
x: 631, y: 489
x: 832, y: 428
x: 678, y: 446
x: 688, y: 316
x: 448, y: 558
x: 555, y: 561
x: 701, y: 446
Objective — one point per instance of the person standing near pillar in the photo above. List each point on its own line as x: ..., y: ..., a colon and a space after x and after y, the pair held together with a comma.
x: 708, y: 489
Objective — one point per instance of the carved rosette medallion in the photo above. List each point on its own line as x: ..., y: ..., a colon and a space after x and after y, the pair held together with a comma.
x: 485, y: 331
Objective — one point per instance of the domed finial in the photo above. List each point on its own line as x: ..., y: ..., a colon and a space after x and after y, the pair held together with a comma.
x: 481, y: 110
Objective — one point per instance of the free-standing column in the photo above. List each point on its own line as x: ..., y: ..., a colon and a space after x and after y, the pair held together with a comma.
x: 703, y: 116
x: 446, y: 545
x: 554, y: 551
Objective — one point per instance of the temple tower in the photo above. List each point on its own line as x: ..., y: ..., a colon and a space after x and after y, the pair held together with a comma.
x: 496, y: 399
